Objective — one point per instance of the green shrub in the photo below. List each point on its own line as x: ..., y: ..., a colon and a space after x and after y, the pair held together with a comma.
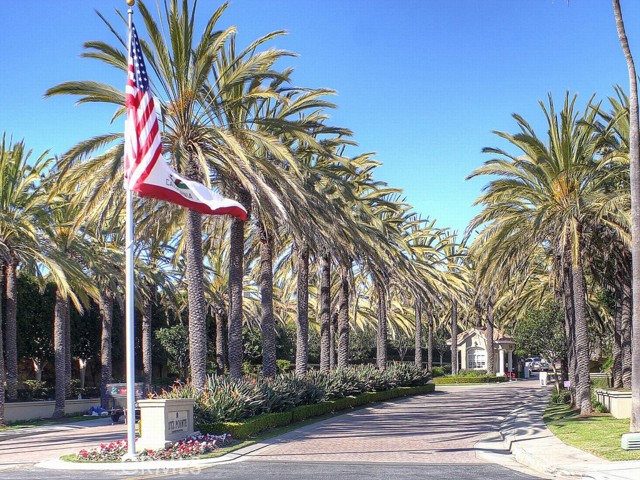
x: 35, y: 390
x: 472, y: 373
x: 283, y: 366
x: 562, y: 397
x: 600, y: 382
x: 437, y: 372
x: 226, y: 400
x: 457, y: 379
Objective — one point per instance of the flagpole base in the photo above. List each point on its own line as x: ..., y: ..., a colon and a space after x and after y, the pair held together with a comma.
x: 130, y: 457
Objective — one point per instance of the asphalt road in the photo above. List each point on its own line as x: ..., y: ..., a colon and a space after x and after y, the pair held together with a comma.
x: 427, y: 436
x: 292, y: 471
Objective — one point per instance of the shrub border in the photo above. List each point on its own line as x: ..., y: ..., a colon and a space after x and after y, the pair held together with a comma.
x: 266, y: 421
x: 457, y: 380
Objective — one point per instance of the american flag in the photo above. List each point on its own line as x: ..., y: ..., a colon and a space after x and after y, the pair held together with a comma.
x: 143, y: 146
x: 146, y: 171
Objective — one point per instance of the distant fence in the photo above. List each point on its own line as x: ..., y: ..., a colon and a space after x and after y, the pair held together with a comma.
x: 15, y: 411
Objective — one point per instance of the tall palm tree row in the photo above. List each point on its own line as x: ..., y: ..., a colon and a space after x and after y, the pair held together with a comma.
x: 231, y: 119
x: 553, y: 193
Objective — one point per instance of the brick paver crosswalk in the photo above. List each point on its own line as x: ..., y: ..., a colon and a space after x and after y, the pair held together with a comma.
x: 436, y: 428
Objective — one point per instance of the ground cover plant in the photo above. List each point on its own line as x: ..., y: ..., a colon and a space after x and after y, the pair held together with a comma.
x: 598, y: 434
x: 469, y: 376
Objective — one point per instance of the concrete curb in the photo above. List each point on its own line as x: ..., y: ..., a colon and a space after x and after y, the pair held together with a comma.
x: 531, y: 443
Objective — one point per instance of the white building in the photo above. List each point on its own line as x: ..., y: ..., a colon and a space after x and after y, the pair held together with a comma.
x: 472, y: 351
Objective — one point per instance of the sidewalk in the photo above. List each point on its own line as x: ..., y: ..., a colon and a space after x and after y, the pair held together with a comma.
x: 30, y: 445
x: 531, y: 443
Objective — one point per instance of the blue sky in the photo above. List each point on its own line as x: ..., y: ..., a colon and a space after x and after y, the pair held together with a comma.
x: 421, y: 82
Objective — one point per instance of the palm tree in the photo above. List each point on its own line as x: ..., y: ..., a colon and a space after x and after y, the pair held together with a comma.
x: 549, y: 194
x: 72, y: 248
x: 2, y: 275
x: 418, y: 338
x: 182, y: 70
x: 325, y: 311
x: 22, y: 204
x: 634, y: 160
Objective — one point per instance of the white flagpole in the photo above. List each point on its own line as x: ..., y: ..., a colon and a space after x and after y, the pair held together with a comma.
x: 130, y: 309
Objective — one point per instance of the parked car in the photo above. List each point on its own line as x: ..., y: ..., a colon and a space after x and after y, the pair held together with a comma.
x: 536, y: 364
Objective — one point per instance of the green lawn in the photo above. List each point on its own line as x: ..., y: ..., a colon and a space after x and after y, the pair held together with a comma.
x: 599, y: 434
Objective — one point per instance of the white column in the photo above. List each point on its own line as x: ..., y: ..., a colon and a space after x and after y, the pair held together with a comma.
x: 510, y: 363
x: 501, y: 363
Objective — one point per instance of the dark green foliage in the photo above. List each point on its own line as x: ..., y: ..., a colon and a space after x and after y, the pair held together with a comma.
x: 252, y: 343
x: 472, y: 373
x: 458, y: 379
x: 437, y: 372
x: 35, y: 390
x: 564, y: 397
x: 283, y: 366
x: 175, y: 342
x: 599, y: 382
x: 286, y: 342
x: 541, y: 332
x: 362, y: 345
x: 86, y: 332
x: 35, y: 319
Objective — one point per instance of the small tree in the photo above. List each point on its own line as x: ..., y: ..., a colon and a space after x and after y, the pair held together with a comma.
x: 402, y: 343
x: 175, y: 341
x: 362, y: 343
x: 440, y: 338
x: 35, y: 311
x: 541, y: 332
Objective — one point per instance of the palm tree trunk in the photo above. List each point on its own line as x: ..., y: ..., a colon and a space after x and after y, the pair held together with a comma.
x: 325, y: 312
x: 491, y: 368
x: 267, y: 322
x: 11, y: 331
x: 61, y: 307
x: 106, y: 314
x: 454, y: 337
x: 569, y: 320
x: 583, y: 387
x: 195, y: 295
x: 221, y: 344
x: 616, y: 365
x: 381, y: 337
x: 343, y: 316
x: 236, y: 273
x: 626, y: 351
x: 302, y: 324
x: 67, y: 350
x: 634, y: 160
x: 418, y: 336
x: 147, y: 337
x: 2, y: 377
x: 430, y: 342
x: 333, y: 329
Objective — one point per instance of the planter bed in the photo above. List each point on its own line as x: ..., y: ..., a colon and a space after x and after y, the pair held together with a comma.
x: 459, y: 380
x: 617, y: 402
x: 266, y: 421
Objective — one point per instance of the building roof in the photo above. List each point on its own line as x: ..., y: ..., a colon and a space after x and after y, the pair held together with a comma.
x: 498, y: 336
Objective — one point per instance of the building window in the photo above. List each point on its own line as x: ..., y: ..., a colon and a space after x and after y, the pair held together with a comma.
x: 476, y: 358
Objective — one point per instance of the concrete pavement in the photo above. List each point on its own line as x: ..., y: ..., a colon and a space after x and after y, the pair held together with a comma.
x: 456, y: 425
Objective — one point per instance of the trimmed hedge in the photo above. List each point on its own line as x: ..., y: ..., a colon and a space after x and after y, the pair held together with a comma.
x: 457, y: 380
x: 267, y: 421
